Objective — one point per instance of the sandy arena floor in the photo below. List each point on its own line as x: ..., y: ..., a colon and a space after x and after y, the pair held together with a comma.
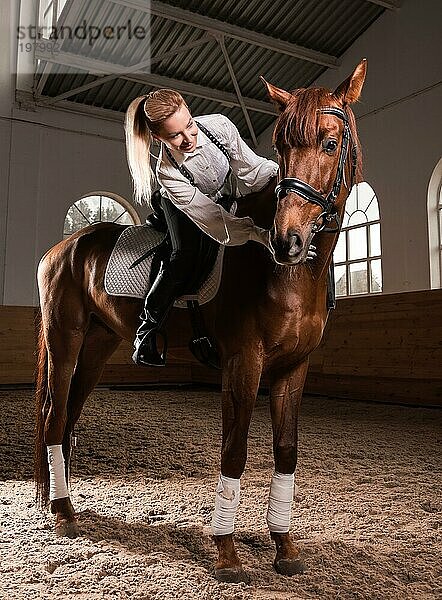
x: 367, y: 517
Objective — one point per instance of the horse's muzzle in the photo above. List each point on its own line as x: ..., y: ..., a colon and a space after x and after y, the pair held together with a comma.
x: 288, y: 249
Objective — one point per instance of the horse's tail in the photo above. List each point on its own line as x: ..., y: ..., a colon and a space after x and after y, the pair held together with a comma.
x: 41, y: 469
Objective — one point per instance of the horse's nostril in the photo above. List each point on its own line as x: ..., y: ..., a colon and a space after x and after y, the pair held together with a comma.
x: 286, y: 246
x: 295, y: 243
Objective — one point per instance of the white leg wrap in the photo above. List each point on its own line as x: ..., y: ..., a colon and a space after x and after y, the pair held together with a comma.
x: 57, y: 479
x: 226, y: 504
x: 280, y: 502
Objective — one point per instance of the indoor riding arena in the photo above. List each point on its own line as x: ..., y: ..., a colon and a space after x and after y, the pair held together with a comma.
x: 280, y: 435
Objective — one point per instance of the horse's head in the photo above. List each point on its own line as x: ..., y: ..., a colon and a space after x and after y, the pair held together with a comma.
x: 316, y: 140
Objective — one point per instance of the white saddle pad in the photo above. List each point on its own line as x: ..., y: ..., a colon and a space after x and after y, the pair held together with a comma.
x: 135, y: 241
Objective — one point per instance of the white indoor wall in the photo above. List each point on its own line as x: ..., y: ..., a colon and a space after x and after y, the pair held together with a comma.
x: 49, y: 169
x: 400, y: 126
x: 48, y: 160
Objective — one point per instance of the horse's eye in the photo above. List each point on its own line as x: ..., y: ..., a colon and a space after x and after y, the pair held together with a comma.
x: 330, y: 146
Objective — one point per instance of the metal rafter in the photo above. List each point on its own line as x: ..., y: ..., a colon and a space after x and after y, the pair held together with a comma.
x: 220, y: 39
x: 390, y: 4
x: 215, y: 26
x: 132, y: 69
x: 98, y: 66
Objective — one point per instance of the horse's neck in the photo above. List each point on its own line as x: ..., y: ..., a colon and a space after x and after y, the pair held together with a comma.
x: 325, y: 244
x: 260, y: 206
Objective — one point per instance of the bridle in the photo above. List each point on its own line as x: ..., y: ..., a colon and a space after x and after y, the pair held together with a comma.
x: 326, y: 202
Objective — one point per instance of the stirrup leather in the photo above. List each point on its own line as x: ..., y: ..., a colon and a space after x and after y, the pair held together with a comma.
x: 201, y: 345
x: 205, y: 350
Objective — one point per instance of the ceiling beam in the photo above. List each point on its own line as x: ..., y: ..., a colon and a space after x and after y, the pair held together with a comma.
x: 28, y: 101
x: 132, y: 69
x: 390, y: 4
x: 95, y: 66
x: 239, y: 95
x: 215, y: 26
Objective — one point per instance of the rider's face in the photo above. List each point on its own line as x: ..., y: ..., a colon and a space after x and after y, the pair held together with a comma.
x: 179, y: 131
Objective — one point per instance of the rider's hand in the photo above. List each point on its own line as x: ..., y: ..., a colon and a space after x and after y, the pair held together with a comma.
x: 262, y: 236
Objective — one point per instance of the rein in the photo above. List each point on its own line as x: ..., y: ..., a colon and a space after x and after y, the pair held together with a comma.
x: 309, y: 193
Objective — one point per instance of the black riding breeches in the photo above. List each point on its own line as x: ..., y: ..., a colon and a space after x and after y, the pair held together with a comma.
x: 193, y: 252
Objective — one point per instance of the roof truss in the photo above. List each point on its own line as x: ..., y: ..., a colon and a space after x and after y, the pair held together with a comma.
x: 97, y: 66
x: 215, y: 26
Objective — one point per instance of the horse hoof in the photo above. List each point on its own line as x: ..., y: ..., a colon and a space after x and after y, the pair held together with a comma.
x: 67, y: 529
x: 232, y: 575
x: 289, y: 567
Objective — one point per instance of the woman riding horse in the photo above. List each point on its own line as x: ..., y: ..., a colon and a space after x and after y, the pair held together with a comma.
x: 194, y: 164
x: 268, y: 317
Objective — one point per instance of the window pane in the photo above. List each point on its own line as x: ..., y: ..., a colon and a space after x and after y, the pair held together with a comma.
x: 357, y: 243
x: 375, y: 240
x: 357, y: 218
x: 339, y: 253
x: 364, y: 199
x: 364, y: 195
x: 90, y: 207
x: 350, y: 205
x: 376, y: 276
x: 125, y: 219
x: 372, y: 211
x: 74, y: 221
x: 358, y: 278
x: 341, y: 280
x: 110, y: 209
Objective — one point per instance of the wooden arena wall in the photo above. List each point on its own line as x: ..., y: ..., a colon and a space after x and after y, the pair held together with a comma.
x: 383, y: 348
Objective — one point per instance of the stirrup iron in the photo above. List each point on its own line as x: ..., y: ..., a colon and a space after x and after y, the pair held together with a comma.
x: 149, y: 355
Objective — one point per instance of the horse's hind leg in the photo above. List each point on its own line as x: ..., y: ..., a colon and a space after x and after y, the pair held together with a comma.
x: 63, y: 343
x: 285, y: 398
x: 98, y: 345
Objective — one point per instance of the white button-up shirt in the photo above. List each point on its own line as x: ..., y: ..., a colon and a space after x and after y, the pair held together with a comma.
x: 209, y: 167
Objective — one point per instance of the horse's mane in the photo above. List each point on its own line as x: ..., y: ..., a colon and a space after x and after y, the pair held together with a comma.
x: 298, y: 124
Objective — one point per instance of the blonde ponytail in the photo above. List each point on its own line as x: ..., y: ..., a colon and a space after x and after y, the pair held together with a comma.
x: 138, y: 143
x: 144, y: 117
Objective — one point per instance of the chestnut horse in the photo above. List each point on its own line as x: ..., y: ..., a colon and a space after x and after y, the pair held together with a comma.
x: 268, y: 316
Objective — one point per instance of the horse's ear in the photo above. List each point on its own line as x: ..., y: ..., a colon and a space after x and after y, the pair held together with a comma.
x: 277, y: 95
x: 350, y: 89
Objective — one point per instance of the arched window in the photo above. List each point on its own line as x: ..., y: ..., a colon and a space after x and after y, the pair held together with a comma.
x: 357, y: 256
x: 98, y: 208
x: 435, y: 226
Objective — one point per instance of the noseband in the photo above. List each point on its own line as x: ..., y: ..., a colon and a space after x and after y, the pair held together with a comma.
x: 306, y: 191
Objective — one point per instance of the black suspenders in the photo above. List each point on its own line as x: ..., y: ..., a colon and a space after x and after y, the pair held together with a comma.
x: 182, y: 169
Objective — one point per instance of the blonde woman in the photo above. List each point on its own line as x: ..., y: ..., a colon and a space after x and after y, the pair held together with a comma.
x: 194, y: 162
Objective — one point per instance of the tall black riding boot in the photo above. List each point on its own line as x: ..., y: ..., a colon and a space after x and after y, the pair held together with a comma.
x: 157, y: 305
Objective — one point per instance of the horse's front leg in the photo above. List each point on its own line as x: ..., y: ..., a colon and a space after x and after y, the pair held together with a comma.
x: 241, y: 378
x: 285, y: 399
